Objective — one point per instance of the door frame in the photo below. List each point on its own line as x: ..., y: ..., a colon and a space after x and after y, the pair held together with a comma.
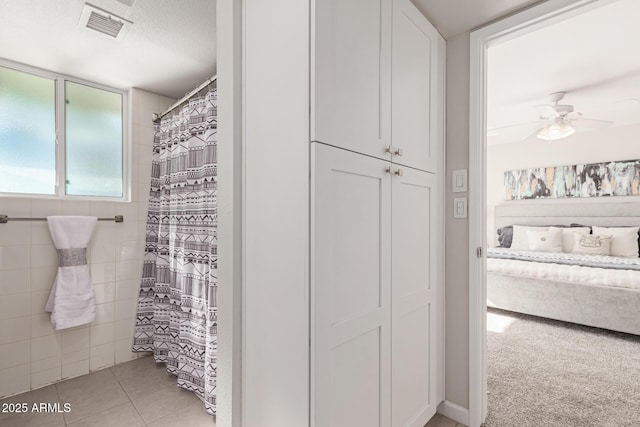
x: 529, y: 20
x: 229, y: 32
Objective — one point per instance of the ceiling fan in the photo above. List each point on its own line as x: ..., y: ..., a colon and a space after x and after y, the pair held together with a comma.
x: 557, y: 120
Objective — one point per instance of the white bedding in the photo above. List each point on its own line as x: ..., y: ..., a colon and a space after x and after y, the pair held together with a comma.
x: 629, y: 279
x: 585, y: 260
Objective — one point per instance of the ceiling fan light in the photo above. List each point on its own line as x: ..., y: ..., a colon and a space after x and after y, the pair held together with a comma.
x: 556, y: 131
x: 567, y: 130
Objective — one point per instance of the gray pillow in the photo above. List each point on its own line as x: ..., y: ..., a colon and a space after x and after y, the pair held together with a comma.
x: 505, y: 236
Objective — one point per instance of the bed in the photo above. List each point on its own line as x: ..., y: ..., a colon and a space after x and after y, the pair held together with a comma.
x: 594, y: 290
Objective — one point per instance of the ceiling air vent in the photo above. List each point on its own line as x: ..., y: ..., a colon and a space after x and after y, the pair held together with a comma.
x: 104, y: 21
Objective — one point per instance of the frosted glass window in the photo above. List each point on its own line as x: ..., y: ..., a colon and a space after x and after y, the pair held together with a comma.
x: 93, y: 141
x: 27, y: 133
x: 60, y: 137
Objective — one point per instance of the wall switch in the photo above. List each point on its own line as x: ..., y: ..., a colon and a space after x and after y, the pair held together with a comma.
x: 460, y: 207
x: 459, y: 181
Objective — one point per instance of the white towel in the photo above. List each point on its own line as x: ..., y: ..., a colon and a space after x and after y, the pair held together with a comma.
x: 71, y: 300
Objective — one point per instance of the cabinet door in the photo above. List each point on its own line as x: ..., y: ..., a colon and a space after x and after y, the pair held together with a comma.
x: 417, y: 100
x: 351, y: 75
x: 350, y: 289
x: 414, y: 311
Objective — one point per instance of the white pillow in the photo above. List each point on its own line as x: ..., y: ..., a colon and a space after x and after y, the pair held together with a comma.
x: 547, y: 241
x: 568, y: 240
x: 591, y: 244
x: 624, y: 242
x: 520, y: 239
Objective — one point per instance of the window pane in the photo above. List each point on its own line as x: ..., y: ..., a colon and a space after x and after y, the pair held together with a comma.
x: 94, y: 141
x: 27, y: 133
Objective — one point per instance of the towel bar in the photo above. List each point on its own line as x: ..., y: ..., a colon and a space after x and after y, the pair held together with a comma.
x: 4, y: 219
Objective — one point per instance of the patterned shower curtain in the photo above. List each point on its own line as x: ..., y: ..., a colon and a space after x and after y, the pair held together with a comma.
x: 177, y: 310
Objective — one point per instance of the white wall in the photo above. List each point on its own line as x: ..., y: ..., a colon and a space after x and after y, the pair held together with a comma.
x: 602, y: 145
x: 276, y: 214
x: 32, y: 354
x: 457, y: 230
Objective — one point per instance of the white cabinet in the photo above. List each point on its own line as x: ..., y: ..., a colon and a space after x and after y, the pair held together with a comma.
x: 377, y: 74
x: 351, y: 312
x: 417, y: 70
x: 373, y: 291
x: 351, y: 75
x: 377, y: 108
x: 414, y: 297
x: 350, y: 289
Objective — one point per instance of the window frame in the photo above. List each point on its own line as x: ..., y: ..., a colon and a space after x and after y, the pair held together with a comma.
x: 59, y: 80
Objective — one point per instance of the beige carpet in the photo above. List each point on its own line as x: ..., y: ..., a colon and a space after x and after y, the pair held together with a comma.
x: 548, y: 373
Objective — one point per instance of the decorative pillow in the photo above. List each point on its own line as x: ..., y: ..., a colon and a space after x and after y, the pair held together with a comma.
x: 591, y: 244
x: 505, y: 236
x: 568, y: 240
x: 547, y: 241
x: 624, y: 240
x: 520, y: 240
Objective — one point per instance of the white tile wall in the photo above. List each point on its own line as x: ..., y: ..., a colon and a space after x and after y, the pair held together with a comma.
x: 75, y: 341
x: 32, y: 354
x: 13, y: 282
x: 15, y: 380
x: 14, y: 329
x: 40, y: 325
x: 75, y: 369
x: 14, y: 354
x: 14, y: 305
x: 105, y: 292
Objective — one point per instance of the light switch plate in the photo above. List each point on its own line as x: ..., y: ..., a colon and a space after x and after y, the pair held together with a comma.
x: 459, y: 181
x: 460, y: 207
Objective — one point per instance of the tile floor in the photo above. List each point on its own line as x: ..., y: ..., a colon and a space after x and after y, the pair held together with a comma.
x: 132, y: 394
x: 442, y: 421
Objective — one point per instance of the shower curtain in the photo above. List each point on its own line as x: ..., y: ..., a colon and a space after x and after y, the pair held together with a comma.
x: 177, y: 313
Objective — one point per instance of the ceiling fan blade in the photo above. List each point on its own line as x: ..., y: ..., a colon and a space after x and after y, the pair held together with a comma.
x: 546, y: 112
x: 574, y: 115
x: 534, y: 137
x: 500, y: 130
x: 515, y: 133
x: 581, y: 123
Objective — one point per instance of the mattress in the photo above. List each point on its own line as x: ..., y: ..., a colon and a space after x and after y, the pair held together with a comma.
x: 600, y: 261
x: 588, y: 269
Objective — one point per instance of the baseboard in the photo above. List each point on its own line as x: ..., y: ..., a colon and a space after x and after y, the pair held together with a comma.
x: 455, y: 412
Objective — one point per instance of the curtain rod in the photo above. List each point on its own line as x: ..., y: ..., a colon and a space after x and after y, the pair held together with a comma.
x: 184, y: 98
x: 5, y: 218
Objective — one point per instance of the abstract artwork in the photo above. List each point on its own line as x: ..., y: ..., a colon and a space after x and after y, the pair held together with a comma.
x: 619, y: 178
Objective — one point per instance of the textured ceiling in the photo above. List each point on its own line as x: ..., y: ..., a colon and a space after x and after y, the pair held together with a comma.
x: 171, y: 46
x: 169, y: 50
x: 592, y: 56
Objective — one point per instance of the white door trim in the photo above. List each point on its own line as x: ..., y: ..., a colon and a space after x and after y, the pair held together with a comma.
x: 230, y: 213
x: 531, y: 19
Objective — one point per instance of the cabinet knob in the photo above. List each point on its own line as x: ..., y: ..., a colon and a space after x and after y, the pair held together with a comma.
x: 388, y: 170
x: 399, y: 172
x: 393, y: 151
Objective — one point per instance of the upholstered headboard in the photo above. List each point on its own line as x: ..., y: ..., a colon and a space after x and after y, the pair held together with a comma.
x: 607, y: 214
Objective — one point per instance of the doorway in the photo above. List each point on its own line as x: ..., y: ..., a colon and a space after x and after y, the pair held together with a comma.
x: 481, y: 40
